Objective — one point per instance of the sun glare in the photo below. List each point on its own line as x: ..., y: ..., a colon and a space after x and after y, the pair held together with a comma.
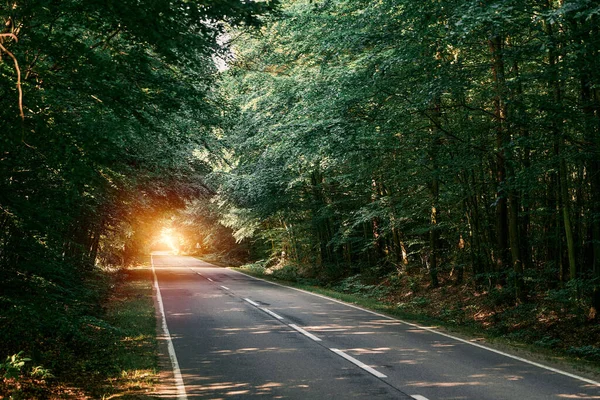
x: 168, y: 237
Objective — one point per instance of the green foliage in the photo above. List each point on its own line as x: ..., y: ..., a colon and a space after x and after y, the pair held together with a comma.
x: 414, y: 284
x: 119, y: 106
x: 258, y: 267
x: 500, y: 296
x: 355, y: 285
x: 456, y: 139
x: 13, y: 365
x: 40, y: 372
x: 548, y: 342
x: 420, y: 302
x: 288, y: 272
x: 587, y: 352
x: 86, y: 347
x: 438, y: 138
x: 454, y: 316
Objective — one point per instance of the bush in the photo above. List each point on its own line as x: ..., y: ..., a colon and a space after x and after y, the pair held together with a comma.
x: 548, y: 342
x: 288, y: 272
x: 355, y: 285
x: 591, y: 353
x: 11, y: 368
x: 258, y: 267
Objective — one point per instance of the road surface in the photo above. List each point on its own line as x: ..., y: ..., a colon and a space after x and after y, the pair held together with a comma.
x: 237, y: 337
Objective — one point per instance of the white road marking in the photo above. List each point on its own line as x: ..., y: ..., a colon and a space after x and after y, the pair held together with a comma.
x: 358, y: 363
x: 271, y: 313
x: 419, y: 397
x: 548, y: 368
x: 305, y: 333
x: 204, y: 276
x: 251, y: 302
x: 225, y: 287
x: 324, y: 297
x: 181, y: 394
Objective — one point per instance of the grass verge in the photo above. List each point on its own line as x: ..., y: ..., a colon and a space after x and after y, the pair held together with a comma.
x: 130, y: 310
x: 111, y: 353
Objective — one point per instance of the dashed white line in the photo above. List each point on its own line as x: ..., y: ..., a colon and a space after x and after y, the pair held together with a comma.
x: 305, y: 333
x: 419, y: 397
x: 204, y: 276
x: 326, y: 298
x: 252, y: 302
x: 546, y: 367
x: 180, y: 386
x: 271, y: 313
x: 359, y: 363
x: 317, y: 339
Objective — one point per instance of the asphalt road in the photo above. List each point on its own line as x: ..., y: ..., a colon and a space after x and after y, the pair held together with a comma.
x: 234, y: 336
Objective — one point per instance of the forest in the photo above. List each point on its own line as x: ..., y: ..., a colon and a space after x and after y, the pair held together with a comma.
x: 431, y: 148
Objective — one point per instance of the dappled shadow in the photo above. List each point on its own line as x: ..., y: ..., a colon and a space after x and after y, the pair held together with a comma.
x: 225, y: 388
x: 238, y: 351
x: 245, y: 353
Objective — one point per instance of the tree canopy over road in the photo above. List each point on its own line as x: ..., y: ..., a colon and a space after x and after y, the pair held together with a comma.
x: 457, y: 140
x: 102, y: 104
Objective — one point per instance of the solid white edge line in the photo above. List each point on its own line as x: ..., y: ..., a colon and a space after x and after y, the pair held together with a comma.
x: 358, y: 363
x: 271, y: 313
x: 253, y: 303
x: 305, y: 333
x: 225, y: 287
x: 419, y: 397
x: 558, y: 371
x: 181, y: 394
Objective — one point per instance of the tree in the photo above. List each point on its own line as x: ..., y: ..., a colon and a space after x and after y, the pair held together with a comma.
x: 116, y: 97
x: 409, y: 134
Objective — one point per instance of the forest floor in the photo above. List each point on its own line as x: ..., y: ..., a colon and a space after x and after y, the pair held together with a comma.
x: 120, y: 360
x: 551, y: 326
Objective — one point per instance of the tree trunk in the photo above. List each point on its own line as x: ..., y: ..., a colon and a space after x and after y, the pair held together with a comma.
x: 564, y: 195
x: 501, y: 256
x: 590, y: 102
x: 434, y: 192
x: 563, y: 189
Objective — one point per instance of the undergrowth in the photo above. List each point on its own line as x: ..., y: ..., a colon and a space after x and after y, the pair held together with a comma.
x: 91, y: 336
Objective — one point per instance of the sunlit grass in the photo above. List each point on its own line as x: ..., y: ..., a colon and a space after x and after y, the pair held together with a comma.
x: 131, y: 311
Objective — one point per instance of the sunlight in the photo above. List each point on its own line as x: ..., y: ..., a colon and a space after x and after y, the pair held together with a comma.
x: 360, y: 351
x: 444, y: 384
x: 170, y: 238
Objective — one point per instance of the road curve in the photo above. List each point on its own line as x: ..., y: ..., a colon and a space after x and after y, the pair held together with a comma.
x: 236, y: 337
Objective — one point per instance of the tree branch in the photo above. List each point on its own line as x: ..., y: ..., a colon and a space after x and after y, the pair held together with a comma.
x: 11, y: 55
x: 108, y: 39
